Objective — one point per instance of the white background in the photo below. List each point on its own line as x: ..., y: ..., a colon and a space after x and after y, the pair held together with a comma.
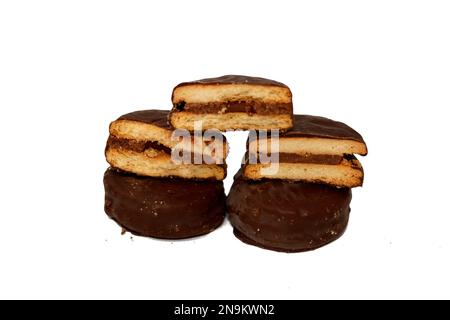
x: 68, y: 68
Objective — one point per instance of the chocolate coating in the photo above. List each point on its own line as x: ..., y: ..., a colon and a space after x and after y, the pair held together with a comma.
x: 167, y: 208
x: 234, y: 79
x: 314, y: 126
x: 240, y: 106
x: 287, y: 216
x: 157, y: 118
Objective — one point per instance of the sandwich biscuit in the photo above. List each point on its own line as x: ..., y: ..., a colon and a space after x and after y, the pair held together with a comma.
x: 316, y: 150
x: 232, y: 102
x: 144, y: 143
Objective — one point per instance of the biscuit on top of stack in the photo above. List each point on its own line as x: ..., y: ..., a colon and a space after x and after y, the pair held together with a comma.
x: 316, y: 149
x: 150, y: 192
x: 142, y: 142
x: 232, y: 102
x: 293, y: 191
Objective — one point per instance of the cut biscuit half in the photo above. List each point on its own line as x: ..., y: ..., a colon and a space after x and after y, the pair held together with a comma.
x: 144, y: 143
x: 232, y: 102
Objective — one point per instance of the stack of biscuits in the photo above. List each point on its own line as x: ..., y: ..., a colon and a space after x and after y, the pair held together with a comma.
x: 293, y: 190
x: 154, y: 186
x: 301, y: 180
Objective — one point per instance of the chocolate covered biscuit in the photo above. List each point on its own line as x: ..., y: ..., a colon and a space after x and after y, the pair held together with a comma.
x: 163, y: 207
x: 232, y: 102
x: 316, y: 149
x: 287, y: 216
x: 143, y: 142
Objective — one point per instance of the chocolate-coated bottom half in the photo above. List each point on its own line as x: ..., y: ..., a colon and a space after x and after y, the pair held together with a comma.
x: 166, y: 208
x: 287, y: 216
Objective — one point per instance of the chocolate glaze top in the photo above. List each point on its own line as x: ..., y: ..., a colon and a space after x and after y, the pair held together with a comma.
x: 234, y: 79
x: 314, y: 126
x: 155, y: 117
